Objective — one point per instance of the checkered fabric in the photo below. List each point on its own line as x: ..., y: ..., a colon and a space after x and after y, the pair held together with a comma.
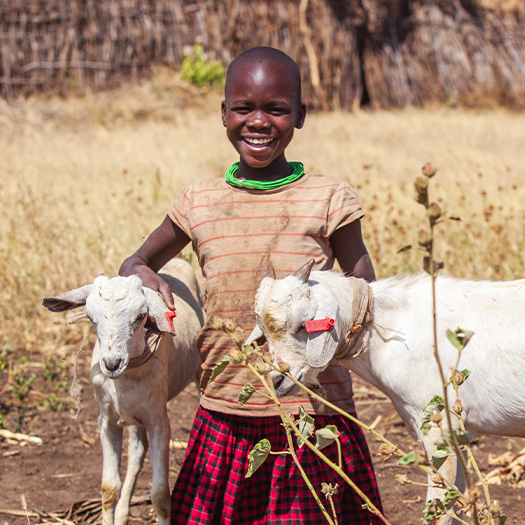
x: 212, y: 488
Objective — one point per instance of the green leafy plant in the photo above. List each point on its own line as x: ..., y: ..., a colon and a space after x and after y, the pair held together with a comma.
x: 198, y: 70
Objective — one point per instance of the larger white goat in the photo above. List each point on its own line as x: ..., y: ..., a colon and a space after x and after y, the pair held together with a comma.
x: 133, y: 384
x: 393, y: 349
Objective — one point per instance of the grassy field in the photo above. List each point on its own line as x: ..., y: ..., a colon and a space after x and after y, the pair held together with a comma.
x: 84, y: 181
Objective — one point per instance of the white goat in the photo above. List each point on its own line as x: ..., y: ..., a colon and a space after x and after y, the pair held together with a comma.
x: 132, y: 380
x: 391, y: 345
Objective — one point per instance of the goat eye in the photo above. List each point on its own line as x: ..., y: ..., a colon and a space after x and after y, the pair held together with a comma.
x: 140, y: 318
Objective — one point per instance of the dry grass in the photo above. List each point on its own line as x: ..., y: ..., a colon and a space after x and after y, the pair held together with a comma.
x: 84, y: 181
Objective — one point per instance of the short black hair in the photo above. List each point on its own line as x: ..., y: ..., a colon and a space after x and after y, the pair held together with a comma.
x: 266, y: 55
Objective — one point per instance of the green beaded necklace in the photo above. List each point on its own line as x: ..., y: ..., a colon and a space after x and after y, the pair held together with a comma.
x: 298, y: 171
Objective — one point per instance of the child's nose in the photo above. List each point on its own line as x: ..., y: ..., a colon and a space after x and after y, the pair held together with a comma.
x: 258, y: 120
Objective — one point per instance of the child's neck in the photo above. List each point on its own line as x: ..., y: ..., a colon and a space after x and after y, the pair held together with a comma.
x: 278, y: 169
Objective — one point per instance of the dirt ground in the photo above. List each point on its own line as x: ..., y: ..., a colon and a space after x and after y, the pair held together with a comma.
x: 60, y: 478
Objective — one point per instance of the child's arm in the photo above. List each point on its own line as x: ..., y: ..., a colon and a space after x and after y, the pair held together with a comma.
x: 163, y: 244
x: 350, y: 251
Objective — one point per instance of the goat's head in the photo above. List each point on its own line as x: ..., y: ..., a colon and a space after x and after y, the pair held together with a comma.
x: 118, y: 309
x: 282, y: 306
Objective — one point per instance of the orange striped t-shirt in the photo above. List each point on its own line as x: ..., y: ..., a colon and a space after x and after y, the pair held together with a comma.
x: 237, y: 233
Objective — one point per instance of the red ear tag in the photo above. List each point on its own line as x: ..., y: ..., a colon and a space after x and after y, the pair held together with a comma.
x: 319, y: 325
x: 169, y: 316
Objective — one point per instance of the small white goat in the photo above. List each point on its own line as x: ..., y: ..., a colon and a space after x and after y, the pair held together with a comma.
x: 132, y: 382
x: 391, y: 345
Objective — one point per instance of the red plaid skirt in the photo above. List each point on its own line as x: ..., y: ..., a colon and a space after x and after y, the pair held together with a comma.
x: 212, y: 488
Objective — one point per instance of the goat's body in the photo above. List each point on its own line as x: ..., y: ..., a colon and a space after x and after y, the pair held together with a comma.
x: 399, y: 357
x: 400, y: 360
x: 136, y: 396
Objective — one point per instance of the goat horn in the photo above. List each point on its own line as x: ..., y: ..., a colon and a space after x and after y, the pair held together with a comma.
x: 303, y: 273
x: 271, y: 272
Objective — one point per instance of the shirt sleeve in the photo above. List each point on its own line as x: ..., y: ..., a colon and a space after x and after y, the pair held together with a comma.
x: 344, y: 208
x: 179, y: 212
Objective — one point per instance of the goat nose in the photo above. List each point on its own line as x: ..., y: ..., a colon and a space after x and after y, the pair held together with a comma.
x: 112, y: 364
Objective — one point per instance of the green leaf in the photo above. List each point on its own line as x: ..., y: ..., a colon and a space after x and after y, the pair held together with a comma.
x: 436, y: 403
x: 257, y: 456
x: 404, y: 248
x: 305, y: 425
x: 463, y: 437
x: 408, y: 459
x: 439, y: 457
x: 413, y: 458
x: 443, y: 440
x: 326, y: 436
x: 247, y: 390
x: 460, y: 338
x: 454, y: 217
x: 451, y: 498
x: 219, y: 368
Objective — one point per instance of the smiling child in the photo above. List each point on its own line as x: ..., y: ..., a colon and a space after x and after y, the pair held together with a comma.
x: 266, y: 211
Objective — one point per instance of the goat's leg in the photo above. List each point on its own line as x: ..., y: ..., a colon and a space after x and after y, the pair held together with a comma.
x: 159, y: 436
x: 111, y: 441
x: 137, y: 448
x: 448, y: 471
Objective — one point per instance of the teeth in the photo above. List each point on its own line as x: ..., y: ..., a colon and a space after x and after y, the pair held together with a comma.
x: 258, y: 141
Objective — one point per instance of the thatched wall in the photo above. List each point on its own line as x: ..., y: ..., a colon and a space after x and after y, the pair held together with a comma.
x: 362, y: 51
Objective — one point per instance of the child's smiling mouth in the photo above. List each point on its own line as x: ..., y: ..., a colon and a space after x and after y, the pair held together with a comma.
x: 258, y: 142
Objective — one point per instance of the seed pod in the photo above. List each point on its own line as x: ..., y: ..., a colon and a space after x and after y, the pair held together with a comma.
x: 437, y: 480
x: 434, y: 212
x: 402, y: 479
x: 458, y: 407
x: 229, y: 325
x: 238, y: 337
x: 436, y: 416
x: 218, y: 323
x: 421, y: 186
x: 284, y: 367
x: 424, y: 239
x: 386, y: 450
x: 428, y: 170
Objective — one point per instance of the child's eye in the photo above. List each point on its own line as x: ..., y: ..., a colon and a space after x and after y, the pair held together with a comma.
x: 241, y: 110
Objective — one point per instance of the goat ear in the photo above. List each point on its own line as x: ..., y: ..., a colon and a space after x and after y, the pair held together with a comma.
x: 303, y: 273
x: 68, y: 300
x: 321, y: 346
x: 256, y: 336
x: 157, y: 309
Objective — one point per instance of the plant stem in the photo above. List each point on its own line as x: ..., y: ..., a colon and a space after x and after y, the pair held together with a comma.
x: 316, y: 451
x: 453, y: 437
x: 286, y: 421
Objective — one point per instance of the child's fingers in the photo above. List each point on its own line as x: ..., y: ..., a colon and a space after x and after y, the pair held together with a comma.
x: 167, y: 294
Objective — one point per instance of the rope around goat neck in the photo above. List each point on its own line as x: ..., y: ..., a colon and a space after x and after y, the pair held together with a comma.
x: 355, y: 341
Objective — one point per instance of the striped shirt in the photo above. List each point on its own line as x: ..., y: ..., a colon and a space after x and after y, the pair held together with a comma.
x: 237, y: 233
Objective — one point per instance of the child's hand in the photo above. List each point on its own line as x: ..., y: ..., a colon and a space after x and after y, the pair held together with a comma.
x: 153, y: 280
x: 163, y: 244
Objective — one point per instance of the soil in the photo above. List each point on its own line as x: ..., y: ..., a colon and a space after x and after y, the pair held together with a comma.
x: 61, y: 477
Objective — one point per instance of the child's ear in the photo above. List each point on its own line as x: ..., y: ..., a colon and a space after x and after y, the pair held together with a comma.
x: 223, y: 112
x: 301, y: 115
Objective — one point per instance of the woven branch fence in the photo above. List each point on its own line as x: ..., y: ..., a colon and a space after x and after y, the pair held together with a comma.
x: 383, y: 53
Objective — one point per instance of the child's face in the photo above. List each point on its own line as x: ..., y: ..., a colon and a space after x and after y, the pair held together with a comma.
x: 261, y: 112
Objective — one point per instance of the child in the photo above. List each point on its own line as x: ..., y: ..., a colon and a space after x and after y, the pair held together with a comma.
x: 266, y: 211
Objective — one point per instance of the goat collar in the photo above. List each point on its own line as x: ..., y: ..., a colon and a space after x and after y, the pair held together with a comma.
x: 355, y: 340
x: 152, y: 340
